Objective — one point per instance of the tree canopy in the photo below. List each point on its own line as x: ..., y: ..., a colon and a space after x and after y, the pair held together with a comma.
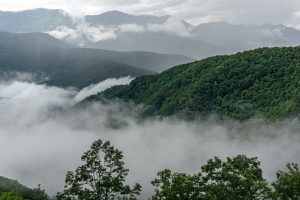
x: 102, y: 176
x: 287, y: 185
x: 238, y: 178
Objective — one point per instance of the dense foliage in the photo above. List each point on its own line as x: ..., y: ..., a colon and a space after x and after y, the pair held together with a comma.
x: 262, y: 82
x: 10, y: 196
x: 101, y: 177
x: 8, y: 185
x: 287, y: 185
x: 238, y: 178
x: 169, y: 186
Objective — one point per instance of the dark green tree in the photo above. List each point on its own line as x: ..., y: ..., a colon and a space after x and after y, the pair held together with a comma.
x: 101, y: 177
x: 172, y: 186
x: 40, y: 194
x: 10, y: 196
x: 287, y: 184
x: 238, y: 178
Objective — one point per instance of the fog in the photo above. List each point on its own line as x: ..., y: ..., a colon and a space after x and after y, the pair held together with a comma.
x: 42, y: 136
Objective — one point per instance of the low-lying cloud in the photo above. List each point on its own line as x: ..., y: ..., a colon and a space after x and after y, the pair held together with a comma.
x: 173, y: 25
x: 95, y: 88
x: 276, y: 32
x: 83, y: 32
x: 40, y: 138
x: 134, y: 28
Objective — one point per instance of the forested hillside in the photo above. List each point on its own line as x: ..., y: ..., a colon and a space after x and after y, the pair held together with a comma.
x: 262, y: 82
x: 9, y: 185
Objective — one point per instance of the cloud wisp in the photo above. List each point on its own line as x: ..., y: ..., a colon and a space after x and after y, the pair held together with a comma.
x: 95, y: 88
x: 41, y: 139
x: 83, y: 32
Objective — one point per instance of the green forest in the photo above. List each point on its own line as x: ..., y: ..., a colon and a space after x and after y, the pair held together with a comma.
x: 258, y: 83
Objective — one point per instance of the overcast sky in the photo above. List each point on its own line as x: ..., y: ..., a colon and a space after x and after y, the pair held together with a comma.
x: 195, y: 11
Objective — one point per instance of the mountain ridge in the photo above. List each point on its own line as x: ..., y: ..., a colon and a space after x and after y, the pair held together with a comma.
x: 68, y: 66
x: 10, y: 185
x: 116, y: 17
x: 119, y: 31
x: 257, y: 83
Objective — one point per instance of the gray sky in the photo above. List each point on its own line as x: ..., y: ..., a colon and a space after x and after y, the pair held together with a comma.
x: 195, y: 11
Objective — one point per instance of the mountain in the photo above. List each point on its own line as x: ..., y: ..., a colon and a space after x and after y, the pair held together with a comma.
x: 119, y: 31
x: 64, y: 65
x: 263, y: 82
x: 242, y: 37
x: 118, y: 18
x: 85, y: 33
x: 9, y: 185
x: 159, y: 42
x: 144, y: 33
x: 170, y: 35
x: 37, y: 20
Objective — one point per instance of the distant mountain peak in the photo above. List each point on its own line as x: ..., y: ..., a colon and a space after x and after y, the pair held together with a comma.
x: 36, y: 10
x: 120, y: 13
x: 114, y: 12
x: 116, y: 17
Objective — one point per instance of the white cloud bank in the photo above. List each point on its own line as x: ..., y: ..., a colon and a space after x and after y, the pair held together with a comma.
x: 83, y: 32
x: 40, y: 140
x: 125, y: 28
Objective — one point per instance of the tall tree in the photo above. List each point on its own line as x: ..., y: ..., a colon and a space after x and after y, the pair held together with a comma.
x: 238, y: 178
x: 101, y: 177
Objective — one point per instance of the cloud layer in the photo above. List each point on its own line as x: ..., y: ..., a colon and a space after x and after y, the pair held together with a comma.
x: 41, y: 139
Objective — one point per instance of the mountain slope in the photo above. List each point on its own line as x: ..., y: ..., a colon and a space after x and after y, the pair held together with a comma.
x: 159, y: 42
x: 9, y: 185
x: 263, y: 82
x: 65, y: 65
x: 242, y: 37
x: 37, y: 20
